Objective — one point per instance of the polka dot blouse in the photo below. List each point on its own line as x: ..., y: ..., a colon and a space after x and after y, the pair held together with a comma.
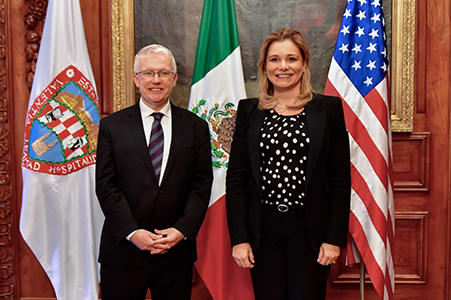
x: 284, y: 144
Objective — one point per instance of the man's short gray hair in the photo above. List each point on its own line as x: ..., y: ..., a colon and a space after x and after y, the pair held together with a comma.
x: 154, y: 48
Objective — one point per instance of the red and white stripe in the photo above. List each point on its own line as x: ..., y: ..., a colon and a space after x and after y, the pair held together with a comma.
x: 372, y: 207
x: 68, y: 127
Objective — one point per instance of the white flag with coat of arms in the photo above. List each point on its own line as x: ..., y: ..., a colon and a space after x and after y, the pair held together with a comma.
x: 61, y: 218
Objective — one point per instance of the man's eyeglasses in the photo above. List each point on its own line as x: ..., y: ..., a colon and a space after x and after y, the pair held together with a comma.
x: 151, y: 74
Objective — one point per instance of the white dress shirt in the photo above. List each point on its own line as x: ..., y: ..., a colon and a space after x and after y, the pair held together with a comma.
x: 166, y: 124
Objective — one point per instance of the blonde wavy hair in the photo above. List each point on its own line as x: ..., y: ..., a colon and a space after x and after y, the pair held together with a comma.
x: 267, y: 100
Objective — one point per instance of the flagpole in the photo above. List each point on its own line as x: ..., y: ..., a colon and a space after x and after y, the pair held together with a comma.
x: 362, y: 279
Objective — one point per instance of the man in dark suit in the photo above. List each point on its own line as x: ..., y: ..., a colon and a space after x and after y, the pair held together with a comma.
x: 154, y: 177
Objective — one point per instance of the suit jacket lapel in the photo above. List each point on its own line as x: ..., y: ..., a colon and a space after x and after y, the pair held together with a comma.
x: 316, y: 124
x: 177, y: 138
x: 137, y: 131
x: 255, y: 124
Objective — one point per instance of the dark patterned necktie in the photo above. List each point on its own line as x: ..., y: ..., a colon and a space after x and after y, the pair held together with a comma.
x: 156, y: 144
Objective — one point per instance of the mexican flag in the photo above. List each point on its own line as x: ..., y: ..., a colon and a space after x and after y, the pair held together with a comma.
x: 218, y: 85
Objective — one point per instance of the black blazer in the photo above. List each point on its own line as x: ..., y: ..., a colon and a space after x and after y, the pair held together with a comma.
x: 128, y: 190
x: 328, y: 186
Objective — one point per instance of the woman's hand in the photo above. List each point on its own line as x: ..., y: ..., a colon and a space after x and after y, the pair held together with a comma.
x: 328, y: 254
x: 243, y: 256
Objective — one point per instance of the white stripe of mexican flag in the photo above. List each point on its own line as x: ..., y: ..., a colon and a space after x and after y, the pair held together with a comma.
x: 222, y: 85
x: 218, y: 85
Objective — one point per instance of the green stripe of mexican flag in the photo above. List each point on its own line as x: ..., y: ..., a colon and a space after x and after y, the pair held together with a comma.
x: 218, y: 37
x: 218, y: 81
x: 218, y: 85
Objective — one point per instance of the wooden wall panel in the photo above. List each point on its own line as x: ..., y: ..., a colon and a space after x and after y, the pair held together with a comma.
x: 411, y: 248
x: 410, y: 258
x: 27, y: 22
x: 432, y: 115
x: 411, y: 162
x: 17, y: 92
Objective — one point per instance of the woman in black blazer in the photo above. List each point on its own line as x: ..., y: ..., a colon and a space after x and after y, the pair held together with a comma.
x: 288, y: 183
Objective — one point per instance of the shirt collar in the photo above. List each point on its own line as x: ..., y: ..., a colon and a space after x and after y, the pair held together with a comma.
x: 147, y: 111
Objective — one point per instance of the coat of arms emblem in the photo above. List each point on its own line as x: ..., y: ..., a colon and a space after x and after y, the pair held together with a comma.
x: 221, y: 121
x: 62, y: 126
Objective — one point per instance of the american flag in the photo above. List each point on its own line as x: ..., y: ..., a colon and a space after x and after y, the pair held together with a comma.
x: 359, y: 76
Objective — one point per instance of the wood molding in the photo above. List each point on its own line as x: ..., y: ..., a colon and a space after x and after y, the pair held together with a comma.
x: 411, y: 162
x: 122, y: 16
x: 34, y: 22
x: 411, y: 247
x: 105, y: 82
x: 403, y: 64
x: 7, y: 284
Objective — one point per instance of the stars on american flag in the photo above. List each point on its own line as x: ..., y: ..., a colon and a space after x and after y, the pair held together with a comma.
x: 357, y: 49
x: 344, y: 48
x: 371, y: 65
x: 361, y: 15
x: 356, y: 65
x: 371, y: 47
x: 361, y: 44
x: 376, y: 3
x: 347, y: 13
x: 361, y: 2
x: 360, y: 31
x: 345, y: 30
x: 373, y: 33
x: 376, y: 18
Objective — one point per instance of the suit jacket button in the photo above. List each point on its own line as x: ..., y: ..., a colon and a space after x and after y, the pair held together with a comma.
x: 160, y: 191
